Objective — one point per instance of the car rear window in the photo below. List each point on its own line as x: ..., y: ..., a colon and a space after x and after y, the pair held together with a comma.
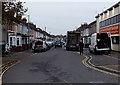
x: 39, y: 43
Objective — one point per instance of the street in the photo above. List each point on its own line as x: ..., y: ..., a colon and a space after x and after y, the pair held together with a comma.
x: 55, y: 66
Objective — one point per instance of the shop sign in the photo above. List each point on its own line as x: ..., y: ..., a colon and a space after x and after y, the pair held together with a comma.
x: 112, y: 29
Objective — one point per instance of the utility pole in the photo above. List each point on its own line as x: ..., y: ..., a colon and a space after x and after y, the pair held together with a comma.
x: 0, y: 32
x: 28, y: 31
x: 3, y: 33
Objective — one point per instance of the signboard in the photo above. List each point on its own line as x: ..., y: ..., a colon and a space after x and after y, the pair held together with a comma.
x: 112, y: 29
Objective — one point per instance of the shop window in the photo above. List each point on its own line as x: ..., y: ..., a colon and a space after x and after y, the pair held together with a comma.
x: 116, y: 40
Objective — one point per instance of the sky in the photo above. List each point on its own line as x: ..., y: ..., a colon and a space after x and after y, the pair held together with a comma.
x: 60, y: 17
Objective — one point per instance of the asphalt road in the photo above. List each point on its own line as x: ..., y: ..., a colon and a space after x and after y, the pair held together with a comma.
x: 55, y: 66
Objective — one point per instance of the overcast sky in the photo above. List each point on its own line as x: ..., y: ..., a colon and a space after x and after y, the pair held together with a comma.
x: 60, y: 17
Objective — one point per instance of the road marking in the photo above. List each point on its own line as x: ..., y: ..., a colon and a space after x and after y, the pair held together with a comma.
x: 107, y: 67
x: 96, y: 82
x: 2, y: 73
x: 90, y: 61
x: 33, y: 54
x: 65, y: 81
x: 6, y: 70
x: 92, y: 67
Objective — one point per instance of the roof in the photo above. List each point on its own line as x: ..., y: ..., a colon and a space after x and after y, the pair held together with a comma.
x: 115, y: 5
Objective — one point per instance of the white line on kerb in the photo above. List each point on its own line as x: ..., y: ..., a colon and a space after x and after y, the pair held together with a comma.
x: 89, y: 61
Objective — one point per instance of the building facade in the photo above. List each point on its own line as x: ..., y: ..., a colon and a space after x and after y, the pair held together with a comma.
x: 109, y: 21
x: 18, y: 36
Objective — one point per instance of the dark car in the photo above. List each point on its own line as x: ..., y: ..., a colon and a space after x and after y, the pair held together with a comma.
x: 58, y: 44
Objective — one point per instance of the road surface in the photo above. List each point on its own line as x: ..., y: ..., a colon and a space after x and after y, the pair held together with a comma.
x: 55, y: 66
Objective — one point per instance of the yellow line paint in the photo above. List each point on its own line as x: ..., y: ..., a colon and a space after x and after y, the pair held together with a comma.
x: 6, y: 70
x: 10, y: 67
x: 87, y: 65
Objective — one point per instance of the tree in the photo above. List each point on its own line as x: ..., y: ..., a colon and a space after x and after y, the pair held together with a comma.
x: 13, y: 9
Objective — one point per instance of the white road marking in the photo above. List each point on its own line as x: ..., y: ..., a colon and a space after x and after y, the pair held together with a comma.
x: 96, y: 82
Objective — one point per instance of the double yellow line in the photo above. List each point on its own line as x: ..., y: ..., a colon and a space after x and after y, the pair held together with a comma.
x: 7, y: 67
x: 97, y: 69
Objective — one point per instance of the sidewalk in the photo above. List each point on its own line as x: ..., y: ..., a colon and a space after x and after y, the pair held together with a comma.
x: 16, y: 56
x: 13, y: 58
x: 105, y: 62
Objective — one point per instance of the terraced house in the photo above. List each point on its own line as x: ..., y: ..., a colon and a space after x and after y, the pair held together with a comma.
x: 18, y: 35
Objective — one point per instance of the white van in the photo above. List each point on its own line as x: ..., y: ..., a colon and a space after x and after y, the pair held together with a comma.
x: 100, y: 42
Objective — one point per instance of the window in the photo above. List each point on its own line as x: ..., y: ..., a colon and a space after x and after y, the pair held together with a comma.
x: 18, y: 42
x: 114, y: 20
x: 116, y: 40
x: 10, y: 41
x: 119, y: 18
x: 109, y: 22
x: 106, y: 22
x: 103, y: 24
x: 100, y: 24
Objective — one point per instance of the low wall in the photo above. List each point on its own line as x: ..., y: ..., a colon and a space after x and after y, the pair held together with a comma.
x: 20, y: 48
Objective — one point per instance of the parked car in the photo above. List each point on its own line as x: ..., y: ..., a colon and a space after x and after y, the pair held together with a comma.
x: 58, y: 44
x: 39, y: 45
x: 45, y: 46
x: 50, y: 43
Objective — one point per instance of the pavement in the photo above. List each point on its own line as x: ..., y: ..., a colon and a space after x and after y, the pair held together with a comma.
x: 110, y: 62
x: 12, y: 58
